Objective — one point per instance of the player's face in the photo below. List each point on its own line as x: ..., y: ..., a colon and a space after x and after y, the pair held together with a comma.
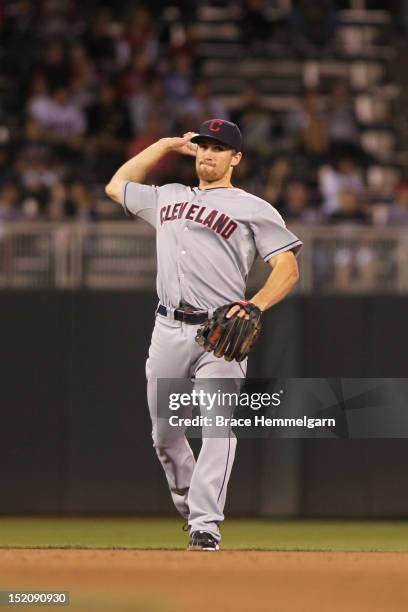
x: 214, y: 160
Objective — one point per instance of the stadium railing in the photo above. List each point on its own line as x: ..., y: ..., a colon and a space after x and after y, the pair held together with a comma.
x: 122, y: 255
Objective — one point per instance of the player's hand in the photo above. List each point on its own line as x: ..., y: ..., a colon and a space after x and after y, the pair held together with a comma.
x: 183, y: 144
x: 239, y: 312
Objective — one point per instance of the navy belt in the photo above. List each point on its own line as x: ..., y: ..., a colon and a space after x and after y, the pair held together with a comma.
x: 191, y: 318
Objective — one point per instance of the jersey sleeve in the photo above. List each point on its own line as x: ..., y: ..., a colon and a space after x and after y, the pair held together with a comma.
x: 271, y: 234
x: 140, y: 200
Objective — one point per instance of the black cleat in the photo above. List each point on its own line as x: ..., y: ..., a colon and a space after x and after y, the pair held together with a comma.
x: 201, y: 540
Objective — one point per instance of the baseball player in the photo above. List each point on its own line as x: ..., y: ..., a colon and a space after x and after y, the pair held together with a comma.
x: 207, y: 238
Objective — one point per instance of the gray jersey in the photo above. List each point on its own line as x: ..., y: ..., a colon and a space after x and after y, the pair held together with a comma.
x: 207, y: 240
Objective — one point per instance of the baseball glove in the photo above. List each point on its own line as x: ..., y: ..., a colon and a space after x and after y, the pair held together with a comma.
x: 231, y: 338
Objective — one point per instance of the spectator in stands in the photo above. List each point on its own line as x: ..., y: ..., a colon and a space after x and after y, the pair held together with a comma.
x: 33, y: 145
x: 152, y: 132
x: 256, y: 29
x: 133, y: 79
x: 140, y: 38
x: 80, y: 202
x: 345, y: 175
x: 245, y: 176
x: 9, y: 203
x: 310, y: 126
x: 55, y: 65
x: 35, y: 164
x: 312, y: 24
x: 178, y: 80
x: 7, y: 172
x: 98, y: 39
x: 350, y: 209
x: 255, y: 121
x: 108, y: 120
x: 185, y: 44
x: 18, y: 38
x: 38, y: 98
x: 278, y: 176
x: 398, y: 211
x: 295, y: 205
x: 201, y: 105
x: 56, y: 16
x: 83, y: 75
x: 58, y: 202
x: 341, y: 117
x: 109, y: 129
x: 36, y: 177
x: 61, y: 118
x: 151, y: 99
x: 31, y: 209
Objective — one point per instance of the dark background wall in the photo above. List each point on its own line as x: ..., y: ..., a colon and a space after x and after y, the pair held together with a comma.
x: 75, y: 430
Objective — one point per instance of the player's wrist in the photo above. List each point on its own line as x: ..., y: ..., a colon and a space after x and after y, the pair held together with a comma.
x: 166, y: 144
x: 261, y: 304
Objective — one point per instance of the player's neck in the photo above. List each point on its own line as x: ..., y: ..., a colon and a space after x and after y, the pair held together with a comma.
x: 214, y: 184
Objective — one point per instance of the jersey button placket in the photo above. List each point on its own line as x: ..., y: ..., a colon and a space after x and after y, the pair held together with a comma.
x: 183, y: 253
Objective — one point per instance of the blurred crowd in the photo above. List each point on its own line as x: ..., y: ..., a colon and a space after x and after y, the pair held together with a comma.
x: 85, y: 87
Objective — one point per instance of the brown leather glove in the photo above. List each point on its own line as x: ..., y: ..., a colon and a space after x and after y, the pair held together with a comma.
x: 231, y: 338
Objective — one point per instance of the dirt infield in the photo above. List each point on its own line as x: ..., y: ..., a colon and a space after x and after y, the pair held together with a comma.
x: 236, y: 581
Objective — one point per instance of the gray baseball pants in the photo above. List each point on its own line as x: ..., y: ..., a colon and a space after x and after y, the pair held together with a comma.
x: 198, y: 488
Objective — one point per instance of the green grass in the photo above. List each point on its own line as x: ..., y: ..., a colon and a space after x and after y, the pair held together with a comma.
x: 237, y: 534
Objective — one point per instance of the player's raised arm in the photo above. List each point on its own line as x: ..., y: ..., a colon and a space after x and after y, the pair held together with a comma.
x: 137, y: 168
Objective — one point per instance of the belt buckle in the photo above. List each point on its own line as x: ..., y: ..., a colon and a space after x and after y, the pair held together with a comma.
x: 188, y: 317
x: 185, y: 316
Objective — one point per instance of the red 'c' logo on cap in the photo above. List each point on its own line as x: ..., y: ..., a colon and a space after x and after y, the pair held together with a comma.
x: 215, y: 125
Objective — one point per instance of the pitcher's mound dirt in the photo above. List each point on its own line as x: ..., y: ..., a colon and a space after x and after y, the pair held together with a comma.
x: 228, y: 581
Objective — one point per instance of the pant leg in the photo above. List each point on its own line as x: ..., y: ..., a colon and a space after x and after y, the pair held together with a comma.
x: 208, y: 488
x: 169, y: 358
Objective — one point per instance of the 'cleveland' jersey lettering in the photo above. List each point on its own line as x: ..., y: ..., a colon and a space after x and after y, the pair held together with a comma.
x: 213, y: 219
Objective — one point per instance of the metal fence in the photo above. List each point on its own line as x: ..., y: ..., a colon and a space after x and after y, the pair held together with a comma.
x: 122, y: 255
